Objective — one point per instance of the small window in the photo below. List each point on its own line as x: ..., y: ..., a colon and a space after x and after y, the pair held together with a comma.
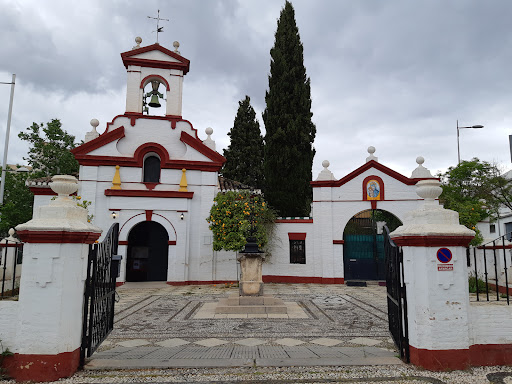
x: 508, y: 231
x: 298, y: 251
x: 151, y: 169
x: 492, y: 228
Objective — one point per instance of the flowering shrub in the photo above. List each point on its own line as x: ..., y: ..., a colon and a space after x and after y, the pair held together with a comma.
x: 235, y: 216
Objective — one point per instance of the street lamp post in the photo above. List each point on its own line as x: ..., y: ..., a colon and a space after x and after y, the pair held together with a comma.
x: 458, y: 145
x: 6, y: 146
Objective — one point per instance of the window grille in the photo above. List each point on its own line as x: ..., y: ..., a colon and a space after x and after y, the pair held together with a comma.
x: 298, y: 251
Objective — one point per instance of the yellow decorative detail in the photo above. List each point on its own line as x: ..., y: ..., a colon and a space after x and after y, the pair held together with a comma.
x: 183, y: 182
x: 116, y: 181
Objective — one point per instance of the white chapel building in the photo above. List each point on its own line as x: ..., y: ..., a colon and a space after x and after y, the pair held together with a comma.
x: 157, y: 178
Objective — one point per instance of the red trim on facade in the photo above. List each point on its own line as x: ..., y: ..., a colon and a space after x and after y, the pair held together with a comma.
x: 296, y: 221
x: 138, y: 214
x: 100, y: 141
x: 123, y: 242
x: 338, y: 241
x: 128, y: 59
x: 146, y: 193
x: 149, y: 186
x: 200, y: 147
x: 432, y: 241
x: 145, y: 148
x: 38, y: 368
x: 133, y: 116
x: 165, y: 162
x: 171, y: 242
x: 149, y: 77
x: 365, y: 194
x: 269, y: 279
x: 296, y: 236
x: 374, y: 204
x: 476, y: 355
x: 363, y: 168
x: 149, y: 214
x: 119, y: 283
x: 58, y: 237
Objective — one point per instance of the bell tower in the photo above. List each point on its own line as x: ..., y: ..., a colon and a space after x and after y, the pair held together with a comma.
x: 161, y: 67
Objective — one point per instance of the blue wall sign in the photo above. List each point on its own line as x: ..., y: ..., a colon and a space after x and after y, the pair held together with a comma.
x: 444, y: 255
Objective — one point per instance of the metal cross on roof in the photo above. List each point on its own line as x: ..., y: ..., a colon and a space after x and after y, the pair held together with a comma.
x: 158, y: 28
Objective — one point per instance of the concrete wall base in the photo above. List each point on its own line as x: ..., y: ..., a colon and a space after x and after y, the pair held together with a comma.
x: 42, y: 367
x: 459, y: 359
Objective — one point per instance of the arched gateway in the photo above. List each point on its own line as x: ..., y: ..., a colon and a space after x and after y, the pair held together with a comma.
x: 147, y: 255
x: 363, y: 248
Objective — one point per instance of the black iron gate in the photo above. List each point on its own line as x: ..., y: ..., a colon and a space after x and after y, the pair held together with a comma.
x: 397, y: 296
x: 100, y: 288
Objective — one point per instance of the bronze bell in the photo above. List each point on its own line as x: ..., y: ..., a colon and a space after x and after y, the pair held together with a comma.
x: 154, y: 102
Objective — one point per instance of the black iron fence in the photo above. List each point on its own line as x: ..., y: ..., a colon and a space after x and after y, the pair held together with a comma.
x: 490, y: 268
x: 11, y: 257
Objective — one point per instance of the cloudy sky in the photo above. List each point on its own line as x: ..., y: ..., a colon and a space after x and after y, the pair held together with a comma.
x: 393, y: 74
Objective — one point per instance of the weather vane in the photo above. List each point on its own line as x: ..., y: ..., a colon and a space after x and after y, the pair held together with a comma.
x: 158, y: 28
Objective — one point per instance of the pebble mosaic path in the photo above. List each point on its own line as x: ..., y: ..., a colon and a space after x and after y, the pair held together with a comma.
x: 157, y: 325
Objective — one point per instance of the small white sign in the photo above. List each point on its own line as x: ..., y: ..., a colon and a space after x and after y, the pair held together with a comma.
x: 445, y: 267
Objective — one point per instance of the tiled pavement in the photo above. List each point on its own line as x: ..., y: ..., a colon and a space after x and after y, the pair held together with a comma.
x: 157, y: 325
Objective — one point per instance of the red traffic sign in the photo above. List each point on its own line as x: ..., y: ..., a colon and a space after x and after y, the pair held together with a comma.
x: 444, y: 255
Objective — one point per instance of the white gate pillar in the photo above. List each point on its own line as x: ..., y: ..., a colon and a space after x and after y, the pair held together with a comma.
x: 437, y: 288
x: 52, y: 288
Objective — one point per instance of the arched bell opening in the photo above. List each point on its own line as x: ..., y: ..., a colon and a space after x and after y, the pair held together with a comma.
x: 363, y: 248
x: 147, y: 255
x: 153, y: 98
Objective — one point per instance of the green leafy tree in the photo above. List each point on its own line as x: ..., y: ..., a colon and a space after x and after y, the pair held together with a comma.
x: 290, y: 132
x: 235, y: 216
x: 49, y: 155
x: 244, y: 156
x: 18, y: 202
x: 49, y: 152
x: 476, y: 190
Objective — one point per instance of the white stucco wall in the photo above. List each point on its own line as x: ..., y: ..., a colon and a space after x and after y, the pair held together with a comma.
x: 9, y: 322
x: 490, y: 323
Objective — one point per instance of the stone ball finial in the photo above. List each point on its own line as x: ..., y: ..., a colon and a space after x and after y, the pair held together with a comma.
x: 95, y: 123
x: 11, y: 232
x: 371, y: 150
x: 138, y: 40
x: 176, y: 45
x: 420, y: 160
x: 208, y: 131
x: 325, y: 163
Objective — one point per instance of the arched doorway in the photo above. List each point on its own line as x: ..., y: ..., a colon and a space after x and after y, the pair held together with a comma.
x: 363, y: 250
x: 147, y: 252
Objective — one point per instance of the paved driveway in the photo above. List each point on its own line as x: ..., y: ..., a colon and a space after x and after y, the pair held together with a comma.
x: 157, y: 325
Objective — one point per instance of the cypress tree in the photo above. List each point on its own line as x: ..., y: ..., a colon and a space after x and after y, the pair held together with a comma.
x: 289, y: 152
x: 245, y: 152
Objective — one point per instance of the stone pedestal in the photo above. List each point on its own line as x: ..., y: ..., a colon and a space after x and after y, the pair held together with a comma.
x: 251, y: 281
